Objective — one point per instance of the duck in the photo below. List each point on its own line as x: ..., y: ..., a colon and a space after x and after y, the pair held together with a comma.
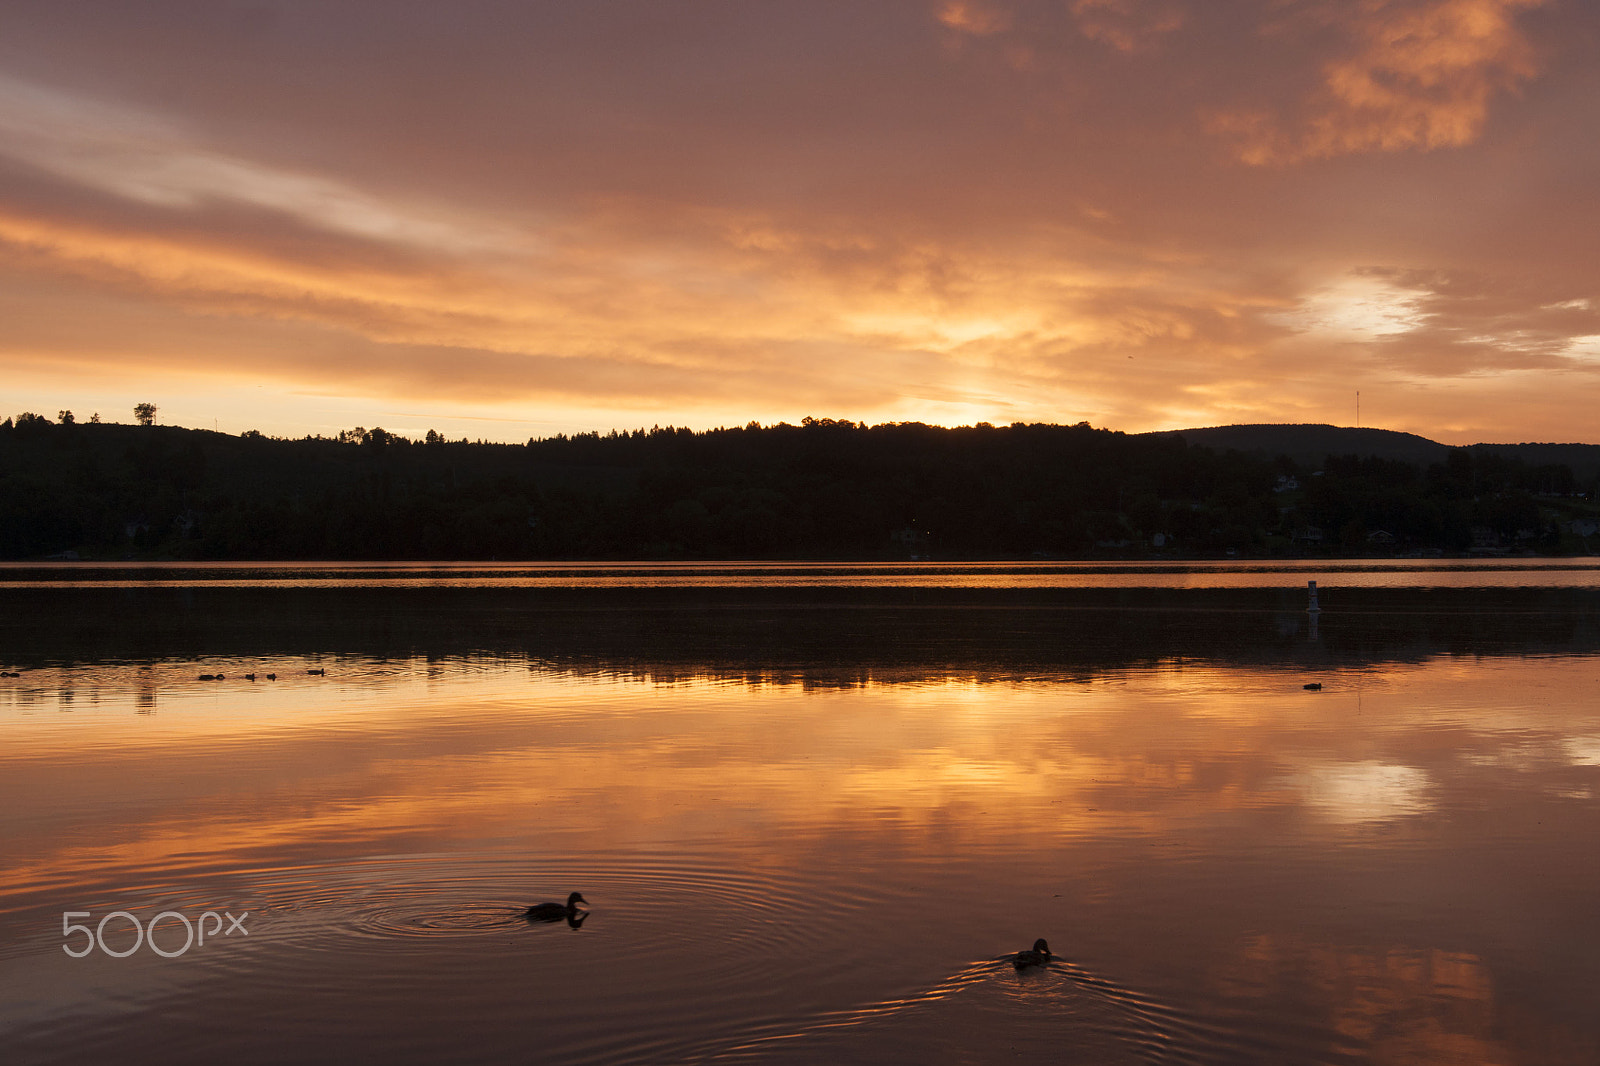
x: 317, y: 673
x: 1038, y: 955
x: 555, y: 912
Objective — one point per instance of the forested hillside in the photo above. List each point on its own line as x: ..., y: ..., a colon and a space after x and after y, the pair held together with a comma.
x: 823, y: 489
x: 1308, y: 444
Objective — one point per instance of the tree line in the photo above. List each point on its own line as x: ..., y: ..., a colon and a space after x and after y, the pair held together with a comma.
x: 823, y: 489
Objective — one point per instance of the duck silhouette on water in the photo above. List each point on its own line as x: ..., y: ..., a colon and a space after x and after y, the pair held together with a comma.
x: 1038, y: 955
x: 557, y: 912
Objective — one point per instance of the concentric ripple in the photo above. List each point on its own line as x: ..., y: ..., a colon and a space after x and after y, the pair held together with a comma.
x: 403, y: 918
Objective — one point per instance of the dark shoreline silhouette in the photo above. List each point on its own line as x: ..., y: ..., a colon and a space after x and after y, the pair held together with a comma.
x: 825, y: 489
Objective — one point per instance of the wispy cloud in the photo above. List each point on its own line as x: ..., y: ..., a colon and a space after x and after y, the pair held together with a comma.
x: 1128, y: 25
x: 151, y: 159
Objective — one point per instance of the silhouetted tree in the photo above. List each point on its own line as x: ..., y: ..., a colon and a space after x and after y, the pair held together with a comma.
x: 145, y: 413
x: 29, y: 423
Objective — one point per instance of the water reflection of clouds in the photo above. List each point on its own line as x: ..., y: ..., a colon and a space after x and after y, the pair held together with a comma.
x: 1124, y: 802
x: 1582, y: 750
x: 1541, y: 755
x: 473, y: 750
x: 1388, y: 1004
x: 1367, y: 791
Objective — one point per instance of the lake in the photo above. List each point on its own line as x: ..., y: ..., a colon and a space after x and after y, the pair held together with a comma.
x: 813, y: 810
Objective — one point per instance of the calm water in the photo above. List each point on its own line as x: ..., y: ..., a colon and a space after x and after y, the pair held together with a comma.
x: 812, y: 809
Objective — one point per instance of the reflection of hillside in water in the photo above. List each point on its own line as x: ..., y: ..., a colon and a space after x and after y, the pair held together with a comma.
x: 821, y: 636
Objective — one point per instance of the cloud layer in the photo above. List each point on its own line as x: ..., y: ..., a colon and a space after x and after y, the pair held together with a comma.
x: 1145, y: 213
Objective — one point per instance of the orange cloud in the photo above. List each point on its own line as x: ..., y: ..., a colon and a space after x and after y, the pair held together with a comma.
x: 1420, y: 76
x: 978, y: 19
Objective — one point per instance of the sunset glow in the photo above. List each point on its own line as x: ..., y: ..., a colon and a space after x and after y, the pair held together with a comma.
x: 510, y: 220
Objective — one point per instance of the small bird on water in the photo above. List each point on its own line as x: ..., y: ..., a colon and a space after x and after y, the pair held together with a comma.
x: 1038, y: 955
x: 555, y: 912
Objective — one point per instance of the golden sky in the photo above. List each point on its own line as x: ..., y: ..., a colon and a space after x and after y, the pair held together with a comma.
x: 508, y: 219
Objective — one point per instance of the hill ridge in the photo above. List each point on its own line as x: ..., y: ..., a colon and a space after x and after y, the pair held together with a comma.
x: 1309, y: 443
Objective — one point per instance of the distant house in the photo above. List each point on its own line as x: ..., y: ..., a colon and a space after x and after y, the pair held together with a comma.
x: 1584, y: 527
x: 1306, y: 535
x: 1380, y: 536
x: 1286, y: 483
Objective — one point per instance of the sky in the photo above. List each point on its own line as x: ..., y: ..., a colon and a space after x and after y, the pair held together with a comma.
x: 512, y: 219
